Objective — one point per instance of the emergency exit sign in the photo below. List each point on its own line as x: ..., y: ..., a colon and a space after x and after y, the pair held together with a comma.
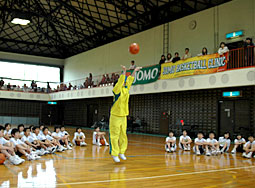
x: 232, y: 94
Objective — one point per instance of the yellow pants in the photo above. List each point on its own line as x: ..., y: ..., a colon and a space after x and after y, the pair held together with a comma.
x: 118, y: 135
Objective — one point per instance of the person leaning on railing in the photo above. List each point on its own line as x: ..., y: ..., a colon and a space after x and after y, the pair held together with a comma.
x: 249, y: 51
x: 223, y: 48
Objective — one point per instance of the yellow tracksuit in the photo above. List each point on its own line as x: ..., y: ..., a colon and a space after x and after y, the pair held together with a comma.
x: 119, y: 113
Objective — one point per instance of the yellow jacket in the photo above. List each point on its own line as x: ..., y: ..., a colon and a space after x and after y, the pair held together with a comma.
x: 121, y: 96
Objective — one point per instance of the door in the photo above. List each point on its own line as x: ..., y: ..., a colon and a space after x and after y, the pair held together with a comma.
x: 92, y: 114
x: 226, y: 117
x: 235, y: 117
x: 164, y: 123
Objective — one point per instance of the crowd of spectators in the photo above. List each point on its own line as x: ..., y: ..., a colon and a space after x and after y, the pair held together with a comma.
x: 108, y: 80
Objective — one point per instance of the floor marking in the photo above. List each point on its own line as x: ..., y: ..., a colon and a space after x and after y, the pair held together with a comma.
x: 154, y: 177
x: 64, y: 181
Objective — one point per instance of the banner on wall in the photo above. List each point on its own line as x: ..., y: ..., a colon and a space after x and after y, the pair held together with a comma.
x: 194, y: 66
x: 145, y: 75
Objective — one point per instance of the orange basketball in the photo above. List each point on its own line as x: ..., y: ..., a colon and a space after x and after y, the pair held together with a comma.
x: 2, y: 158
x: 134, y: 48
x: 102, y: 141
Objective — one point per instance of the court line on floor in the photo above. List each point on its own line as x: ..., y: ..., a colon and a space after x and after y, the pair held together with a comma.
x: 155, y: 177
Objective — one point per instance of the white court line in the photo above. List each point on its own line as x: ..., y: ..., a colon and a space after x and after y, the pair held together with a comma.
x: 154, y: 177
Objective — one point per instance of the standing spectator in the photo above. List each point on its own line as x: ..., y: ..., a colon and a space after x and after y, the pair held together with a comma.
x: 70, y: 86
x: 117, y: 77
x: 90, y: 80
x: 162, y: 60
x: 108, y: 80
x: 169, y: 58
x: 132, y: 66
x: 204, y: 52
x: 103, y: 81
x: 113, y: 78
x: 176, y: 58
x: 249, y: 51
x: 1, y: 83
x: 86, y: 83
x: 33, y: 84
x: 48, y: 87
x: 187, y: 54
x: 223, y: 48
x: 8, y: 86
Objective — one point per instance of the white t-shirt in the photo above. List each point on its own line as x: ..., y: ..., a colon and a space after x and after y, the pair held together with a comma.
x: 63, y: 133
x: 16, y: 142
x: 211, y: 141
x: 202, y: 140
x: 9, y: 132
x: 222, y: 141
x: 242, y: 140
x: 253, y: 143
x: 57, y: 134
x: 28, y: 139
x: 33, y: 135
x: 3, y: 141
x: 185, y: 138
x: 21, y: 133
x: 170, y: 138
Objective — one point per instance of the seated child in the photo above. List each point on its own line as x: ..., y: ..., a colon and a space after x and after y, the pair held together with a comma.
x: 170, y: 145
x: 239, y: 144
x: 50, y: 140
x: 61, y: 139
x: 97, y: 136
x: 21, y: 130
x: 200, y: 142
x: 7, y: 131
x: 20, y: 147
x: 7, y: 149
x: 224, y: 142
x: 64, y: 133
x: 47, y: 147
x: 185, y: 141
x: 79, y: 138
x: 249, y: 148
x: 212, y: 145
x: 32, y: 142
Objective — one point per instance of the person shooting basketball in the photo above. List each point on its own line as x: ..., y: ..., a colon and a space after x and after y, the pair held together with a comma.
x: 119, y: 113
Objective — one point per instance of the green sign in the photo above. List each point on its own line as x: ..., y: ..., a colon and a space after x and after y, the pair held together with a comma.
x: 146, y: 75
x: 231, y: 94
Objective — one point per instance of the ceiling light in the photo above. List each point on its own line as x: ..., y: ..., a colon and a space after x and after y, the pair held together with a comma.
x: 20, y: 21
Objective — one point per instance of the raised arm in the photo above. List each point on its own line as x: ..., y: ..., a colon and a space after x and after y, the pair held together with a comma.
x: 119, y: 84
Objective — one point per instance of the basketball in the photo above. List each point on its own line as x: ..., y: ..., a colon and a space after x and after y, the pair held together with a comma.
x: 102, y: 141
x: 2, y: 158
x: 134, y: 48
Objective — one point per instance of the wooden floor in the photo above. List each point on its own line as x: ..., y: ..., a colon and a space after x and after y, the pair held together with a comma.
x: 147, y: 166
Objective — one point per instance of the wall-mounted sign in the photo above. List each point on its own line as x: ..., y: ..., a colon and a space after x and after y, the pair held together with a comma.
x: 234, y: 34
x: 232, y: 94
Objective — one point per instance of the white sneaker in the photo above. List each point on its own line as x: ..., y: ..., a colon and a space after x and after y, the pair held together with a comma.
x: 198, y: 153
x: 99, y: 144
x: 69, y: 148
x: 70, y: 144
x: 36, y: 156
x: 83, y: 144
x: 244, y: 154
x: 63, y: 148
x: 218, y: 152
x: 123, y: 157
x: 116, y: 159
x: 30, y: 157
x: 59, y: 149
x: 14, y: 161
x: 106, y: 143
x: 249, y: 155
x: 188, y: 148
x: 19, y: 159
x: 233, y: 151
x: 167, y: 149
x: 222, y: 151
x: 172, y: 149
x: 208, y: 154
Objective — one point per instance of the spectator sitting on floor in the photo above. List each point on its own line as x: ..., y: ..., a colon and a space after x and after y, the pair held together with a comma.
x: 176, y: 58
x: 169, y: 58
x: 187, y: 54
x: 132, y: 66
x: 162, y: 60
x: 204, y: 52
x: 1, y: 83
x: 136, y: 123
x: 223, y: 48
x: 86, y: 83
